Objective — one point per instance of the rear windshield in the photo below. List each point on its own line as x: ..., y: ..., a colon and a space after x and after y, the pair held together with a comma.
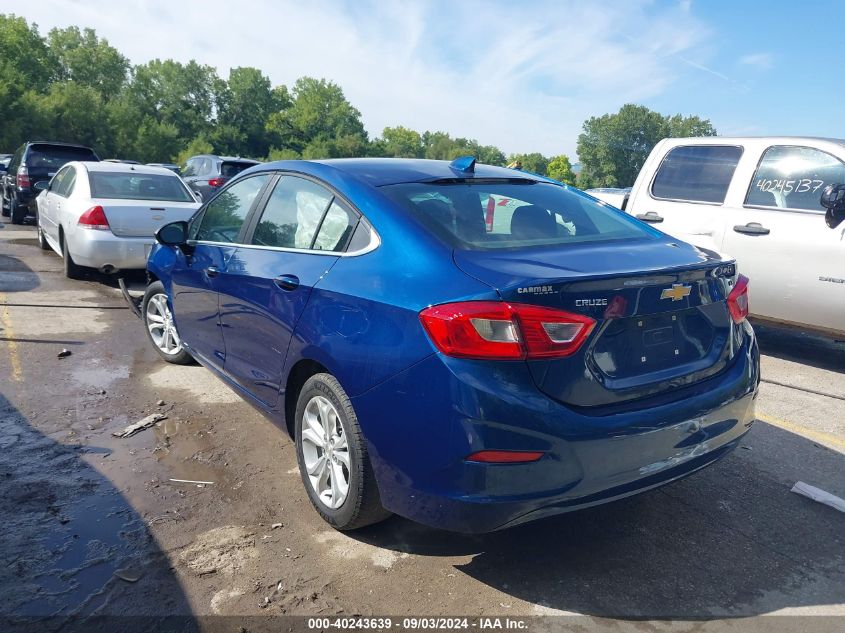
x: 498, y: 215
x: 230, y: 168
x: 129, y: 186
x: 54, y: 156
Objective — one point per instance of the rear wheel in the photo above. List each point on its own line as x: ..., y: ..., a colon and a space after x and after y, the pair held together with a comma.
x: 17, y: 212
x: 4, y: 207
x: 161, y: 330
x: 333, y: 459
x: 72, y: 270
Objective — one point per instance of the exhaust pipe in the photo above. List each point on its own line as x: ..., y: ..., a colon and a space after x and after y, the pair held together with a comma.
x: 108, y: 269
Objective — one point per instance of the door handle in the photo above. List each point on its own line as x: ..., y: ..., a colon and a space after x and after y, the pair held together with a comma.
x: 212, y: 271
x: 651, y: 216
x: 287, y: 282
x: 752, y: 228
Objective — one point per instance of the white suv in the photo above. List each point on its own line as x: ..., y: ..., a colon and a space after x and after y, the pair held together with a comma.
x: 757, y: 199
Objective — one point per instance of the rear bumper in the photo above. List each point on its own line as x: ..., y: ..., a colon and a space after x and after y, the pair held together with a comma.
x: 422, y: 423
x: 98, y: 249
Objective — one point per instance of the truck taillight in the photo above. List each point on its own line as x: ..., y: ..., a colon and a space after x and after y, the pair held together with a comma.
x: 495, y: 330
x: 94, y: 218
x: 22, y: 178
x: 738, y: 300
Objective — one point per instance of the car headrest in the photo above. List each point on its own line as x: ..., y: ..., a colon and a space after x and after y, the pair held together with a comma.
x: 532, y: 222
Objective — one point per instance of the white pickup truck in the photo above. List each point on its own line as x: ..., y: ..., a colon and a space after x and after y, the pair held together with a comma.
x: 760, y: 201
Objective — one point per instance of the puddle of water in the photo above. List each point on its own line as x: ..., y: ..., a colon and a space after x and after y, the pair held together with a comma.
x: 99, y: 376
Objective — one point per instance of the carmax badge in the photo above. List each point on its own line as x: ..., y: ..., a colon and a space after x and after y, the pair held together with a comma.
x: 676, y: 292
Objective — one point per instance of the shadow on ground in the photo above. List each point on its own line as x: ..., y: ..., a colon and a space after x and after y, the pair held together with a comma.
x: 71, y: 545
x: 731, y: 540
x: 799, y: 346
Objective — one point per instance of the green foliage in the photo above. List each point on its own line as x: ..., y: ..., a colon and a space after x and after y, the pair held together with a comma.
x: 87, y: 60
x: 536, y: 163
x: 197, y: 146
x: 282, y: 154
x: 560, y: 169
x: 318, y: 122
x: 243, y: 105
x: 400, y: 142
x: 613, y: 147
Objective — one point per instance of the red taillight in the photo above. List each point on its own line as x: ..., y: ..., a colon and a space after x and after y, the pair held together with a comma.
x: 216, y: 182
x: 494, y: 330
x: 94, y: 218
x: 504, y: 457
x: 22, y: 178
x: 738, y: 300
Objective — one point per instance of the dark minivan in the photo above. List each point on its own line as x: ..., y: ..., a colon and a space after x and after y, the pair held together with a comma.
x: 205, y: 174
x: 33, y: 162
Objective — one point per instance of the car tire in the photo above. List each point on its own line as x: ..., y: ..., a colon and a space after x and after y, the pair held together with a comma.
x: 326, y: 428
x: 154, y: 306
x: 72, y: 270
x: 17, y: 212
x: 4, y: 207
x: 42, y: 241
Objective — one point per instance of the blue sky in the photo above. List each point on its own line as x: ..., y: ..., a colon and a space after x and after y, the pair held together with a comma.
x: 520, y: 75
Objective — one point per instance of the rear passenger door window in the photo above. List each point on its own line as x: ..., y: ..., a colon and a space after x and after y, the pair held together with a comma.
x: 223, y: 217
x: 791, y: 177
x: 696, y: 173
x: 293, y: 214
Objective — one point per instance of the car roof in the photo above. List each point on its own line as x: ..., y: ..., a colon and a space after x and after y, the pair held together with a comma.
x: 390, y: 171
x: 228, y: 159
x: 57, y: 143
x: 125, y: 168
x: 777, y: 140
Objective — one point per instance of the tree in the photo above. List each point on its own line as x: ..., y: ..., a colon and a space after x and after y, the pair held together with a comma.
x: 319, y: 122
x: 401, y: 142
x: 244, y: 103
x: 74, y: 113
x: 197, y: 146
x: 535, y: 162
x: 613, y: 147
x: 87, y: 60
x: 560, y: 169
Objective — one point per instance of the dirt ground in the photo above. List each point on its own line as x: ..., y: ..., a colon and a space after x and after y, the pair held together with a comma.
x: 94, y: 524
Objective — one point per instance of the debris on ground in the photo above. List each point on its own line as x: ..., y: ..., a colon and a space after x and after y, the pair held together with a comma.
x: 817, y: 494
x: 129, y: 575
x: 140, y: 425
x: 160, y: 403
x: 276, y: 526
x: 64, y: 353
x: 192, y: 481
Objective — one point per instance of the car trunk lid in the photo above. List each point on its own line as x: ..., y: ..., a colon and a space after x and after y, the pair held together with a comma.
x: 660, y: 310
x: 142, y: 218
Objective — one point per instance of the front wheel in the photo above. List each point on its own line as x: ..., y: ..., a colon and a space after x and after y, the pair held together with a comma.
x: 333, y: 459
x: 161, y: 329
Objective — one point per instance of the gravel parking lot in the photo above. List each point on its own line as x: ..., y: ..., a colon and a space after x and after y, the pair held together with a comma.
x: 95, y: 524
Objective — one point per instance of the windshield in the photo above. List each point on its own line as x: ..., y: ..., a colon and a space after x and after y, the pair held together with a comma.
x: 131, y: 186
x: 494, y: 215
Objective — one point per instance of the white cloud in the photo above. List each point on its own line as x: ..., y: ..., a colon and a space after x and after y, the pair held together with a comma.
x: 762, y: 61
x: 523, y: 77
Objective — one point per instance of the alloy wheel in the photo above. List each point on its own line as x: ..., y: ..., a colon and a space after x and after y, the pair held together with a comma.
x: 160, y: 323
x: 325, y: 452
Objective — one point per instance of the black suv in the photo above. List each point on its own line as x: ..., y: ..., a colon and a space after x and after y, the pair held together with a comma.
x: 206, y: 173
x: 35, y: 161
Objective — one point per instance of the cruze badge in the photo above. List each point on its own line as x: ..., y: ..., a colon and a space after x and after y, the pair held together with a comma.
x: 676, y: 292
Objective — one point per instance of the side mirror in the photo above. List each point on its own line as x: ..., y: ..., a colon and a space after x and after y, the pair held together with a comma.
x: 41, y: 185
x: 173, y: 234
x: 833, y: 199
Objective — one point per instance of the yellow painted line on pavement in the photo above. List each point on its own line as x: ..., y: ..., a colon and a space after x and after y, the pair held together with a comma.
x: 9, y: 334
x: 828, y: 439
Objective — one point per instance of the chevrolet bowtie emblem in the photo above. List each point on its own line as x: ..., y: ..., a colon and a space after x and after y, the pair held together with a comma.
x: 676, y: 292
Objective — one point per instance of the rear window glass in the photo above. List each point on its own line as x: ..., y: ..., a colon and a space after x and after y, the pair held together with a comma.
x: 493, y: 215
x: 131, y: 186
x: 53, y: 157
x: 698, y: 173
x: 230, y: 168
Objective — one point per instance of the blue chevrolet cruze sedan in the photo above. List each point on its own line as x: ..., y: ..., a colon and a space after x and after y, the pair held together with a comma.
x: 468, y: 346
